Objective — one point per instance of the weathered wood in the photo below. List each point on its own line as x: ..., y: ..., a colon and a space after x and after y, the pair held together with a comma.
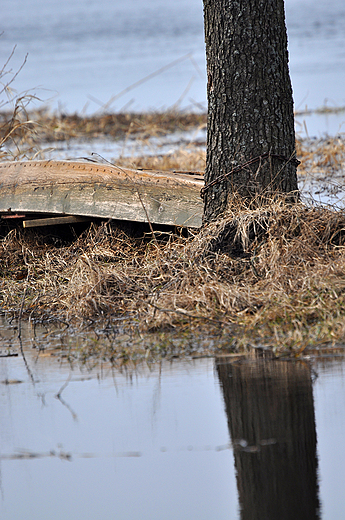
x: 101, y: 191
x: 53, y: 221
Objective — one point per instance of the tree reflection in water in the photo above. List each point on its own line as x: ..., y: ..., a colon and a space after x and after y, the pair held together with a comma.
x: 270, y: 410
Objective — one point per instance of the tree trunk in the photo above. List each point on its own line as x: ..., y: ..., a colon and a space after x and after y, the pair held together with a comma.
x: 250, y: 105
x: 271, y: 419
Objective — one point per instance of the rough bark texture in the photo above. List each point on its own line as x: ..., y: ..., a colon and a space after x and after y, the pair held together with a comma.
x: 250, y: 105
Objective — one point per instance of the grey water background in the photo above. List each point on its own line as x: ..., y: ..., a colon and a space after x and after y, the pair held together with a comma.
x: 158, y: 442
x: 83, y: 55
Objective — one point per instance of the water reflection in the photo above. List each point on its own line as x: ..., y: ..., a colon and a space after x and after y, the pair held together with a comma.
x: 152, y: 443
x: 271, y: 419
x: 142, y: 444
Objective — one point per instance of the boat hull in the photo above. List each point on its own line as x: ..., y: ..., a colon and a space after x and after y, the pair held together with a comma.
x: 101, y: 191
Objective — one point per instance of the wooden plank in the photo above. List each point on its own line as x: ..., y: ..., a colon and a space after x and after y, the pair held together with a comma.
x: 53, y: 221
x: 97, y: 190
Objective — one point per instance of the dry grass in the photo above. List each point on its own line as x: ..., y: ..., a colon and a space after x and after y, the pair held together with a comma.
x: 16, y: 127
x: 273, y: 277
x: 320, y: 155
x: 183, y: 159
x: 26, y: 132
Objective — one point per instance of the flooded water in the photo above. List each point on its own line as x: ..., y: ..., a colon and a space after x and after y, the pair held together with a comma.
x: 207, y: 438
x: 190, y: 439
x: 87, y: 54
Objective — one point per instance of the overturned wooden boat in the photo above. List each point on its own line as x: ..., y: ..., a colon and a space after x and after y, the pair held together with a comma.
x: 65, y: 191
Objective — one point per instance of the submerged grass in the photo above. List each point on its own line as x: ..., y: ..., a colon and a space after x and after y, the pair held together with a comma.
x: 24, y: 132
x: 270, y: 277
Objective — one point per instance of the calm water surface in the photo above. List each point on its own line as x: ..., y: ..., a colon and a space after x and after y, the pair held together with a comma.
x: 201, y: 439
x: 82, y: 54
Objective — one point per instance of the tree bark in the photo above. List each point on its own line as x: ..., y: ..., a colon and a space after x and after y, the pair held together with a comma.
x: 270, y: 410
x: 250, y: 105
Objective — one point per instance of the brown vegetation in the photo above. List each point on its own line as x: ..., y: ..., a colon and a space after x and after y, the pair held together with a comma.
x: 273, y: 277
x: 25, y: 132
x: 269, y: 277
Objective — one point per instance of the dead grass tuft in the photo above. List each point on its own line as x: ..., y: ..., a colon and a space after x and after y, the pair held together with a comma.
x: 320, y: 154
x: 273, y: 276
x: 63, y: 127
x: 183, y: 159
